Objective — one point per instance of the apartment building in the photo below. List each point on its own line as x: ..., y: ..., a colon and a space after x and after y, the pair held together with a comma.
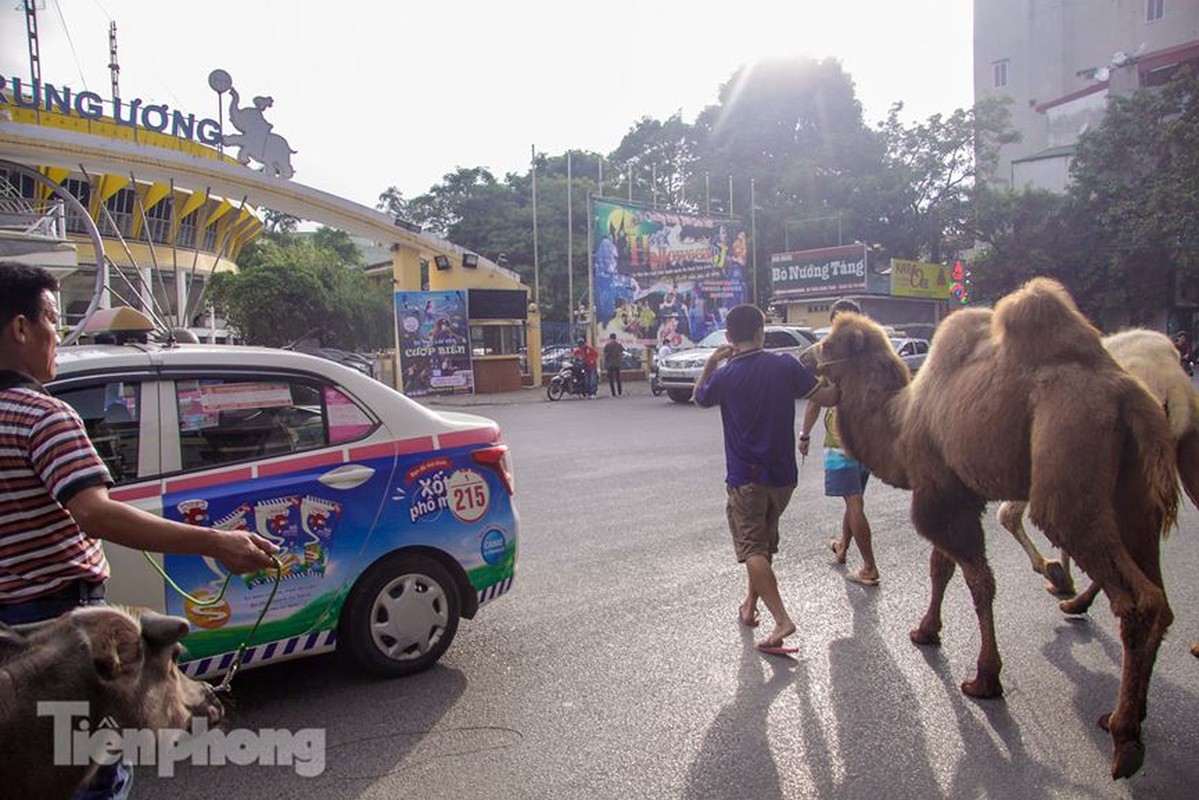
x: 1060, y: 60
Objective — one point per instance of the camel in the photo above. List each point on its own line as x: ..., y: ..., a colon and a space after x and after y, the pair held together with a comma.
x: 1151, y: 357
x: 1021, y: 403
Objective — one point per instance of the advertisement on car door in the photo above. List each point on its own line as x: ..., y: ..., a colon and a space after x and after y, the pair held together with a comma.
x: 331, y: 521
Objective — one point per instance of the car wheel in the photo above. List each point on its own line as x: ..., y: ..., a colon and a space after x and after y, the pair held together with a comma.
x: 554, y: 390
x: 401, y: 616
x: 679, y: 395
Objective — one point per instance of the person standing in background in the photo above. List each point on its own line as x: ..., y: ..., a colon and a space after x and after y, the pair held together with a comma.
x: 613, y: 353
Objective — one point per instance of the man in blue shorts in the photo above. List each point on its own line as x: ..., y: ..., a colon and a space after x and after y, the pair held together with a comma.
x: 846, y: 478
x: 756, y: 391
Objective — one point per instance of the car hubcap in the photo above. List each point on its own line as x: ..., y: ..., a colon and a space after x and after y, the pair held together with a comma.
x: 409, y: 617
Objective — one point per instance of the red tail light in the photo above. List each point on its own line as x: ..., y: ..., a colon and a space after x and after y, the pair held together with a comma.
x: 496, y: 457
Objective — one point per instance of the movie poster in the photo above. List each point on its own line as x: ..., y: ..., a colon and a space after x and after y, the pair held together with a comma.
x: 664, y: 276
x: 434, y: 343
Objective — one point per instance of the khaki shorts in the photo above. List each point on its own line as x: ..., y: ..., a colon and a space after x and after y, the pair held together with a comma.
x: 753, y: 511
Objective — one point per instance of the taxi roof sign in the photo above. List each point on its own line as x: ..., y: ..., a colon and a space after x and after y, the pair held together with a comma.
x: 121, y: 323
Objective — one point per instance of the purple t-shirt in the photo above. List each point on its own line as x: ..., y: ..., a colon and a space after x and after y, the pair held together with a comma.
x: 756, y: 392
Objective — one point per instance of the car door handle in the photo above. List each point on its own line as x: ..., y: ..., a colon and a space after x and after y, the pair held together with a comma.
x: 348, y: 476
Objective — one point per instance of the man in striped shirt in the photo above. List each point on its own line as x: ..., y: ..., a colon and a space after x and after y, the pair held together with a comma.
x: 54, y: 502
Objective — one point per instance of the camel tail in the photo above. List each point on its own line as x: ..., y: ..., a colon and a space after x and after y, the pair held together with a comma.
x: 1188, y: 452
x: 1149, y: 434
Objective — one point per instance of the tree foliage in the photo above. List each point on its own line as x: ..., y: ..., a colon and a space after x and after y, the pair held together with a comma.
x: 1126, y: 233
x: 291, y: 286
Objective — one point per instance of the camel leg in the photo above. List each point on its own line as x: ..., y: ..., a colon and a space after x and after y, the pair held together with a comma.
x: 1081, y: 604
x: 1129, y: 571
x: 954, y: 526
x: 1056, y: 573
x: 940, y: 570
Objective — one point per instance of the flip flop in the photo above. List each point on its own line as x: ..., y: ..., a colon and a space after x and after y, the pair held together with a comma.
x: 752, y: 622
x: 838, y: 553
x: 776, y: 649
x: 860, y: 579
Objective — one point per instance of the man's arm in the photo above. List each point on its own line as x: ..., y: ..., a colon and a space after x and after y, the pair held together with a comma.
x: 825, y: 395
x: 810, y: 412
x: 100, y: 515
x: 718, y: 355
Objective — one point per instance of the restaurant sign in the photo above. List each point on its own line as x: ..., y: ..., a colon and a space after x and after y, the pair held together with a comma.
x: 811, y: 273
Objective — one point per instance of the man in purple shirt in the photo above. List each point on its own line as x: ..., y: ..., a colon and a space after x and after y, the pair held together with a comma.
x: 756, y: 392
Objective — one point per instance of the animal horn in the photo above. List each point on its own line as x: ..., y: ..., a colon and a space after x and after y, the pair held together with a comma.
x: 161, y: 630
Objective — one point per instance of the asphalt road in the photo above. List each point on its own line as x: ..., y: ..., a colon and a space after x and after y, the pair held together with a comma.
x: 616, y: 669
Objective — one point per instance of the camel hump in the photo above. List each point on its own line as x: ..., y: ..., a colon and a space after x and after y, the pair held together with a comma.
x: 958, y: 339
x: 1151, y: 357
x: 1040, y: 324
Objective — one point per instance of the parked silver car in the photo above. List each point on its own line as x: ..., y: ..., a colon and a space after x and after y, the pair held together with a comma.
x: 679, y: 371
x: 912, y: 351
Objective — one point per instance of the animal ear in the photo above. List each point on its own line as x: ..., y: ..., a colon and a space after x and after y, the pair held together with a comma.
x: 162, y: 631
x: 857, y: 340
x: 116, y: 649
x: 13, y: 641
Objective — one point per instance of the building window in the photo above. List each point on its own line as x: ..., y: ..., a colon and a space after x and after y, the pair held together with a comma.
x: 1154, y: 9
x: 999, y: 72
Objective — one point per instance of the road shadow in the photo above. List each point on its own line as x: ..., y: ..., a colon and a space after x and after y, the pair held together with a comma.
x: 1168, y: 731
x: 734, y: 760
x: 881, y: 752
x: 396, y: 728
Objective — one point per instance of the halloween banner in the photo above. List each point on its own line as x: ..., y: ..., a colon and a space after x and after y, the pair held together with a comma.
x: 664, y: 276
x: 433, y: 343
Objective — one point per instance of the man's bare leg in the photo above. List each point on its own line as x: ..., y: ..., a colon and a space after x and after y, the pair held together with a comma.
x: 859, y: 528
x: 763, y: 584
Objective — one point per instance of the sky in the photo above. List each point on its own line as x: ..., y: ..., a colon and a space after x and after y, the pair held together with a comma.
x: 380, y: 93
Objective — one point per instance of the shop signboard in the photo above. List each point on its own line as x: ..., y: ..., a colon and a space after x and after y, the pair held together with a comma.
x: 819, y: 273
x: 919, y: 279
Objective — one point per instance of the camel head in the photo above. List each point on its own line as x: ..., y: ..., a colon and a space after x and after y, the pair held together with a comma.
x: 857, y: 345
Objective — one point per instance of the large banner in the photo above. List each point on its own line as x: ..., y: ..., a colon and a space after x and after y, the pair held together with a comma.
x: 434, y: 343
x: 664, y: 276
x: 819, y: 273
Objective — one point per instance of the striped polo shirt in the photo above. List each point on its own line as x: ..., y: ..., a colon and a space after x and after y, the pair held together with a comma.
x: 46, y: 458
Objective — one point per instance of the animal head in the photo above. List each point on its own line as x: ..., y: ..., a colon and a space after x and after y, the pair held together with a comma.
x: 856, y: 343
x: 121, y: 667
x: 124, y: 666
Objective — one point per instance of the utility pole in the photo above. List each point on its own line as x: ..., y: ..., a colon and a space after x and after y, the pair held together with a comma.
x: 114, y: 67
x: 570, y: 269
x: 753, y: 236
x: 536, y: 267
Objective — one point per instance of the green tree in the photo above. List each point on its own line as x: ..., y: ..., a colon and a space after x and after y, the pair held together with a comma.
x: 1126, y: 233
x: 290, y: 287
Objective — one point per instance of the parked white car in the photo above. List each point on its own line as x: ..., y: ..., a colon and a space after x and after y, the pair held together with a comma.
x: 912, y: 351
x: 679, y: 371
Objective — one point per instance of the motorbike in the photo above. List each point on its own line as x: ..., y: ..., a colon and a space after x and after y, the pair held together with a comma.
x: 655, y: 382
x: 569, y: 380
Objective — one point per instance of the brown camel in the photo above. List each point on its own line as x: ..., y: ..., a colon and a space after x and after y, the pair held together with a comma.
x: 1151, y: 357
x: 1021, y: 403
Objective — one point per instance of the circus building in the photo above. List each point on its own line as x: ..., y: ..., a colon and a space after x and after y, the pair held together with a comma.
x: 137, y: 203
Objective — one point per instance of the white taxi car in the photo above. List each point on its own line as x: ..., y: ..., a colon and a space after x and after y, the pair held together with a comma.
x: 393, y: 520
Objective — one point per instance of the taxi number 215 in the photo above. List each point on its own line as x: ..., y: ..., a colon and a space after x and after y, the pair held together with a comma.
x: 469, y: 495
